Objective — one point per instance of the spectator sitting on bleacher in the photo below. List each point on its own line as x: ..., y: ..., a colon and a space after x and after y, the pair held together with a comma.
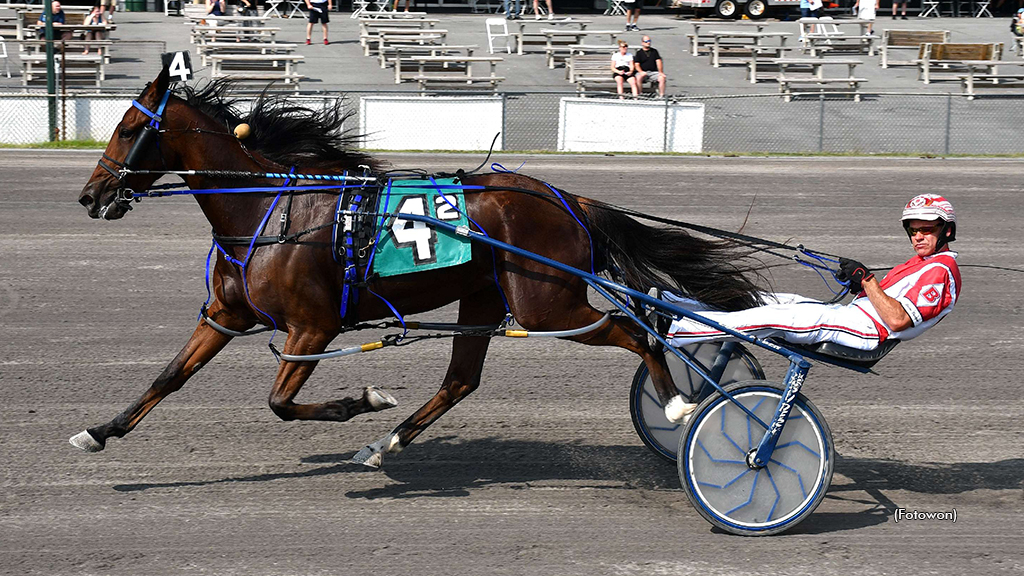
x: 216, y: 8
x: 58, y: 19
x: 649, y: 66
x: 95, y: 16
x: 623, y: 69
x: 1017, y: 23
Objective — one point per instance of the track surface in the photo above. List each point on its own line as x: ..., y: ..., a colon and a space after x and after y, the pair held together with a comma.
x: 539, y: 472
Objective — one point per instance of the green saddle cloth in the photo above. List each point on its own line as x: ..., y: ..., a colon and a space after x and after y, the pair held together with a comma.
x: 406, y: 246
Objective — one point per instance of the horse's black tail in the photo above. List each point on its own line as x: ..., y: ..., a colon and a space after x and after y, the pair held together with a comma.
x: 712, y: 271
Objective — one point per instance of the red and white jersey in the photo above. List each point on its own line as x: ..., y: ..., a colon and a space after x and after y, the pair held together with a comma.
x: 927, y: 288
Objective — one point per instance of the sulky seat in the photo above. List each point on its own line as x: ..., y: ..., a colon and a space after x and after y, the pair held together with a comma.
x: 863, y: 358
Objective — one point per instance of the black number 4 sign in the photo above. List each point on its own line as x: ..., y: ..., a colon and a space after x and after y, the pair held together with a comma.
x: 179, y: 65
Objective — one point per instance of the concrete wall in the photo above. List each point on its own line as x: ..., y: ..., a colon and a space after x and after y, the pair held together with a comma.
x: 593, y: 125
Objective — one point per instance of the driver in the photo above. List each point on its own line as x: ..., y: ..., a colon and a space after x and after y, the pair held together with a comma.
x: 911, y: 298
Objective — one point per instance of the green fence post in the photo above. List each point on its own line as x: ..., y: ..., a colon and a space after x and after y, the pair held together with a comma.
x: 51, y: 75
x: 949, y: 113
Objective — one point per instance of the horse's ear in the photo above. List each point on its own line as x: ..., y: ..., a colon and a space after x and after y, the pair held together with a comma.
x: 154, y: 90
x: 162, y: 83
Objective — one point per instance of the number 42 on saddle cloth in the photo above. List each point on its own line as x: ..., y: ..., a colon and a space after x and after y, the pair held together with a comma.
x: 405, y: 246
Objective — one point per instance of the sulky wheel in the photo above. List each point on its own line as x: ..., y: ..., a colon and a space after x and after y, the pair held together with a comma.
x: 713, y: 468
x: 648, y: 413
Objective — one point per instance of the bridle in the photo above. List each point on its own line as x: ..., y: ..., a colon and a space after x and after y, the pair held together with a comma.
x: 146, y: 137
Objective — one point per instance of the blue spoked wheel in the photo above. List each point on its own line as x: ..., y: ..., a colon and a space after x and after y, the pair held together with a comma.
x: 712, y: 461
x: 648, y: 413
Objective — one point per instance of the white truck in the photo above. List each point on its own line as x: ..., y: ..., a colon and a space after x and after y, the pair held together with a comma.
x: 754, y: 9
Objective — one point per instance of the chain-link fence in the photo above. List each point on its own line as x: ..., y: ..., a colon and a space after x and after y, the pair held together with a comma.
x: 935, y: 124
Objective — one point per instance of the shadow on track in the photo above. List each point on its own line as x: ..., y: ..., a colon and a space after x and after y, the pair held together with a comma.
x: 872, y: 476
x: 447, y: 467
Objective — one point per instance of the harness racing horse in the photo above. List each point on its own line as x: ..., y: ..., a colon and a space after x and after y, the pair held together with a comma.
x: 296, y: 286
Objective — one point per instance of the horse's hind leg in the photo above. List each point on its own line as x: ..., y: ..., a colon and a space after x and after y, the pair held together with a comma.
x: 462, y: 378
x: 620, y: 332
x: 204, y: 344
x: 624, y: 333
x: 292, y: 375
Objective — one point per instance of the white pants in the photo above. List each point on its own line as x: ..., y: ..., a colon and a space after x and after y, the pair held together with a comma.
x: 788, y: 316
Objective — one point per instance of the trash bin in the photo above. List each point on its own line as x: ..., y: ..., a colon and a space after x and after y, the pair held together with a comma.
x: 135, y: 5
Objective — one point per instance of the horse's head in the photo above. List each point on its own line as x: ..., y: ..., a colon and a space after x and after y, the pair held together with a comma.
x: 133, y: 146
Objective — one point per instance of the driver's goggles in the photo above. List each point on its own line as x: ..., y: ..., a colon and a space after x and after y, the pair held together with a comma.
x: 926, y: 230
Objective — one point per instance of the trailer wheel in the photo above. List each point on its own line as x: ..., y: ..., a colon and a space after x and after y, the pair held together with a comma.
x: 756, y: 9
x: 727, y: 9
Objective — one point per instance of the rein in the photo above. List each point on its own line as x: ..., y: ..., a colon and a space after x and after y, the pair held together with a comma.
x: 813, y: 259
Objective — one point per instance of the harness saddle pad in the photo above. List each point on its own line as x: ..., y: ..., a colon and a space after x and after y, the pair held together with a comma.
x: 406, y: 246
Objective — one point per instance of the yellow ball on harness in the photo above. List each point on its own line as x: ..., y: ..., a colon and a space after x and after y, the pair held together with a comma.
x: 242, y: 131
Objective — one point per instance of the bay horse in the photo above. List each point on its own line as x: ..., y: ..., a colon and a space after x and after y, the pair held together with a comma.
x: 297, y: 286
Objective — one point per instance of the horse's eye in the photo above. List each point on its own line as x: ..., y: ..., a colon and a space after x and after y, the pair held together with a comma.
x: 126, y: 133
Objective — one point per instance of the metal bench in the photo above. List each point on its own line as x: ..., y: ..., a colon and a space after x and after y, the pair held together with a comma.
x: 948, y: 61
x: 89, y: 66
x: 908, y: 39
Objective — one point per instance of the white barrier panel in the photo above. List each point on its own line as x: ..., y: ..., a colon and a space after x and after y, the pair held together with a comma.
x: 23, y: 120
x: 443, y: 123
x: 599, y: 125
x: 93, y: 118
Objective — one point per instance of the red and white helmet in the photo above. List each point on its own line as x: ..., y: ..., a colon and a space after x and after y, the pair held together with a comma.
x: 932, y: 207
x: 929, y: 207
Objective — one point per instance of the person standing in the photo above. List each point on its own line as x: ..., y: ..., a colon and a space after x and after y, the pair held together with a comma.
x: 866, y: 10
x: 649, y: 66
x: 247, y: 8
x: 632, y: 14
x: 510, y: 12
x: 536, y: 10
x: 108, y: 6
x: 318, y: 12
x: 904, y: 12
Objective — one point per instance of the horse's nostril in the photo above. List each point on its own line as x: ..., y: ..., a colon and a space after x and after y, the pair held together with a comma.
x: 85, y: 200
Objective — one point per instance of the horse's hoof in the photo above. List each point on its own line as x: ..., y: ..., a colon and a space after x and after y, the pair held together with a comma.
x: 379, y: 399
x: 677, y: 410
x: 85, y: 441
x: 368, y: 457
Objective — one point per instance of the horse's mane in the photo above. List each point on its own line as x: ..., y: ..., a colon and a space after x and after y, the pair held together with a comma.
x: 282, y: 131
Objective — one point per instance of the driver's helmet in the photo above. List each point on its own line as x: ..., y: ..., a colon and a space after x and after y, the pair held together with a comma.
x: 932, y: 207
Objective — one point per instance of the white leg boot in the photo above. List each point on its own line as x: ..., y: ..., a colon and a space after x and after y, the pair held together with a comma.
x: 678, y: 410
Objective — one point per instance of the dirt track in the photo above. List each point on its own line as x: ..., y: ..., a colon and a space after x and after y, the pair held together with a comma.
x: 539, y: 472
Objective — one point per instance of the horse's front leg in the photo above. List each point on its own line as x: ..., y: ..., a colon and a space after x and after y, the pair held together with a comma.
x: 204, y: 344
x: 462, y: 378
x: 292, y: 375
